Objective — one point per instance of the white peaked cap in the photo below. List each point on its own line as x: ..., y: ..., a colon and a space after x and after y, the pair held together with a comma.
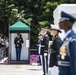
x: 63, y: 19
x: 55, y: 27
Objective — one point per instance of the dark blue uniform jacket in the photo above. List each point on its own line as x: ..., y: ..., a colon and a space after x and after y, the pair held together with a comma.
x: 71, y: 58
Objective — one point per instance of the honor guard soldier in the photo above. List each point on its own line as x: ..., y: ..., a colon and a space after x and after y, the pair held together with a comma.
x: 18, y: 45
x: 40, y: 38
x: 55, y: 45
x: 67, y: 54
x: 44, y: 50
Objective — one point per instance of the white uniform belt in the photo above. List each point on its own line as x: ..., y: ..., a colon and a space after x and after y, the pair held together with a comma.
x: 63, y: 63
x: 41, y: 45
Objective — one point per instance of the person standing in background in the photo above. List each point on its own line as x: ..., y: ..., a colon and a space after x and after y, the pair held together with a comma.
x: 18, y: 45
x: 55, y: 46
x: 40, y: 38
x: 44, y: 50
x: 7, y: 46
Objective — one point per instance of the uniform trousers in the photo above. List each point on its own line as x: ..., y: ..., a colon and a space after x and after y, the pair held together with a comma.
x: 45, y: 63
x: 64, y: 70
x: 18, y: 54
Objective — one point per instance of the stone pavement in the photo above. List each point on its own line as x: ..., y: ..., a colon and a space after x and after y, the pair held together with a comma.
x: 20, y: 70
x: 25, y: 70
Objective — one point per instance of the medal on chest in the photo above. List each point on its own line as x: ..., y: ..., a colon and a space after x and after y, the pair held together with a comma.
x: 63, y: 49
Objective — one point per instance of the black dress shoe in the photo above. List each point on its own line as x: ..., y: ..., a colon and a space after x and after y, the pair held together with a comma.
x: 45, y: 74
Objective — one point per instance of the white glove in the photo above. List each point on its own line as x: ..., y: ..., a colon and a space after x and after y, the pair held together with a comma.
x: 63, y: 57
x: 45, y: 54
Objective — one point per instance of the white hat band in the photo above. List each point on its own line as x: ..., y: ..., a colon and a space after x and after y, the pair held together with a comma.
x: 63, y: 19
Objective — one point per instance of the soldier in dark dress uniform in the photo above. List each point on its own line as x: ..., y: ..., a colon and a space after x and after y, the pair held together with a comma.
x: 40, y: 38
x: 18, y: 45
x: 55, y: 46
x: 67, y: 55
x: 44, y: 50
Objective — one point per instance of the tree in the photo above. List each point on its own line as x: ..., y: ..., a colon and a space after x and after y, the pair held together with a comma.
x: 35, y: 13
x: 10, y: 14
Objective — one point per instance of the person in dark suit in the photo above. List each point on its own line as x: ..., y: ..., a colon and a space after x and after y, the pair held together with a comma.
x: 55, y: 46
x: 18, y: 45
x: 67, y: 54
x: 44, y: 50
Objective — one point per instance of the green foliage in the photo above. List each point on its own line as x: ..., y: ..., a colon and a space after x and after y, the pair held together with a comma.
x: 35, y: 13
